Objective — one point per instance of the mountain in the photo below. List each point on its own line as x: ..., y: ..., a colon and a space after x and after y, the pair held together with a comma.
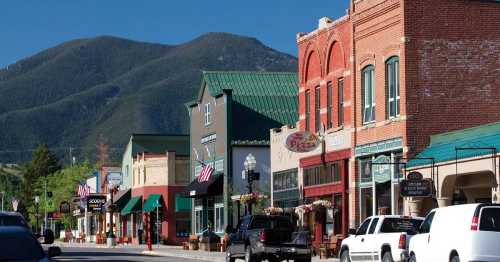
x: 68, y: 95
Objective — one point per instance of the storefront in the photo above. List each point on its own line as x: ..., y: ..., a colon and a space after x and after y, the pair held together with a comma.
x: 379, y: 168
x: 464, y: 169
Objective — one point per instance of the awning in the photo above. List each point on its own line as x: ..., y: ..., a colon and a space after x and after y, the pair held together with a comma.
x: 120, y: 199
x: 212, y: 187
x: 133, y: 205
x: 182, y: 203
x: 152, y: 203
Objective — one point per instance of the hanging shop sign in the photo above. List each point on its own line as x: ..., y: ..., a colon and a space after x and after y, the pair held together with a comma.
x: 381, y: 169
x: 416, y: 188
x: 115, y: 178
x: 302, y: 142
x: 64, y: 208
x: 96, y: 203
x: 415, y: 176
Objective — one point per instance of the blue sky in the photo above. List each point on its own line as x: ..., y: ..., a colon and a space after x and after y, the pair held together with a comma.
x: 29, y: 26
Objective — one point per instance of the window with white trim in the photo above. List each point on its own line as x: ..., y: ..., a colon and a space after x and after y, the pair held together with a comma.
x: 198, y: 213
x: 329, y: 104
x: 317, y: 108
x: 368, y: 83
x: 208, y: 114
x: 219, y: 217
x: 392, y: 81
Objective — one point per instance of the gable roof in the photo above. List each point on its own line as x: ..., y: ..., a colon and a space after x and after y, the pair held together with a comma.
x: 272, y: 94
x: 442, y: 146
x: 159, y: 144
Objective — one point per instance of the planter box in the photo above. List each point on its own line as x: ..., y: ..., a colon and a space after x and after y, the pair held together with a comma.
x: 206, y: 247
x: 193, y: 245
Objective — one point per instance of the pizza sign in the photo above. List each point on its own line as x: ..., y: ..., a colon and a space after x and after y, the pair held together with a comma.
x: 302, y: 141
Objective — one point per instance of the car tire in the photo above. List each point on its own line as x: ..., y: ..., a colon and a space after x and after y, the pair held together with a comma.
x: 455, y: 258
x: 228, y: 257
x: 344, y: 256
x: 249, y: 256
x: 387, y: 257
x: 413, y: 258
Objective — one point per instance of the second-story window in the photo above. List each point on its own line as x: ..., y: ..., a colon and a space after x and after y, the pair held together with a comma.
x: 340, y: 110
x: 368, y: 84
x: 308, y: 110
x: 392, y: 81
x: 329, y: 105
x: 208, y: 114
x: 317, y: 109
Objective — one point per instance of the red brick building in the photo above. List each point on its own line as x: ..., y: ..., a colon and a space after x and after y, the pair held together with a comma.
x: 410, y: 69
x: 324, y: 103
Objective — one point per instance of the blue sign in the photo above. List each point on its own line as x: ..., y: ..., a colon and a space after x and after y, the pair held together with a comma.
x: 115, y: 178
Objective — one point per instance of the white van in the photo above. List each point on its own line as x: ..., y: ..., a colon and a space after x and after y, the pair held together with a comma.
x: 468, y: 232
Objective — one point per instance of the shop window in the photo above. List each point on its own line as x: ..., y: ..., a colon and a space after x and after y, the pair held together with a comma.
x: 308, y: 109
x: 130, y: 226
x: 392, y: 82
x: 340, y: 109
x: 285, y: 180
x: 198, y: 214
x: 182, y: 224
x: 365, y: 172
x: 368, y: 83
x: 219, y: 218
x: 337, y: 213
x: 322, y: 175
x: 329, y: 104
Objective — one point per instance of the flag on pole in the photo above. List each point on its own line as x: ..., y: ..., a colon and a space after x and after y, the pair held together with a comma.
x: 205, y: 173
x: 83, y: 191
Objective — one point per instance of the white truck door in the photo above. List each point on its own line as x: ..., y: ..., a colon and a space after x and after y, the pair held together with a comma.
x: 423, y: 248
x: 371, y: 240
x: 358, y: 249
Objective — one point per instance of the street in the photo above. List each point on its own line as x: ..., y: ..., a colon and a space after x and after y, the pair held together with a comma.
x: 115, y: 254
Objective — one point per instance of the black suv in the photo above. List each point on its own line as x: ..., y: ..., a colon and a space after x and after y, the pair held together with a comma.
x: 261, y: 237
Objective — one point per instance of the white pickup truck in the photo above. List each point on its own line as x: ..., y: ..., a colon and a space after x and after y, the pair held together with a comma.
x: 380, y: 238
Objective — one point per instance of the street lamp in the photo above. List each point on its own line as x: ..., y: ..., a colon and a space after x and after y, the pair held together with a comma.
x: 250, y: 165
x: 3, y: 193
x: 111, y: 242
x: 37, y: 204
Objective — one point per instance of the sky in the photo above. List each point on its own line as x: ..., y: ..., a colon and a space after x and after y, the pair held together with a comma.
x: 30, y: 26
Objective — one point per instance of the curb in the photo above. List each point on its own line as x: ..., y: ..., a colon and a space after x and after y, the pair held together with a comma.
x: 164, y: 254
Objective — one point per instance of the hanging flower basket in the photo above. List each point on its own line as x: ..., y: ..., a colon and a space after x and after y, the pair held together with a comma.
x: 303, y: 209
x: 273, y: 211
x: 251, y: 198
x: 322, y: 203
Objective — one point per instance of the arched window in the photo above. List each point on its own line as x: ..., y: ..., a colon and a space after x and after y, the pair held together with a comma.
x: 392, y: 83
x: 368, y: 84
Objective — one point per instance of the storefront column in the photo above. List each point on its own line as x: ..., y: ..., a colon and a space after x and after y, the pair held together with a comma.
x: 415, y: 207
x: 374, y: 191
x: 394, y: 198
x: 444, y: 201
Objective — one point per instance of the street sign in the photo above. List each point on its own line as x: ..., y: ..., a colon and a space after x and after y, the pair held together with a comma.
x: 64, y: 208
x: 115, y: 178
x: 416, y: 188
x: 302, y: 141
x: 381, y: 169
x: 95, y: 203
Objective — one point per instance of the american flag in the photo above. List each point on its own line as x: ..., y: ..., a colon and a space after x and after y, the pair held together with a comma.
x: 205, y: 173
x: 83, y: 191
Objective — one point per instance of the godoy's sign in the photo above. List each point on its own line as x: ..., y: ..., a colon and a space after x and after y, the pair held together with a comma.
x: 416, y: 186
x: 96, y: 203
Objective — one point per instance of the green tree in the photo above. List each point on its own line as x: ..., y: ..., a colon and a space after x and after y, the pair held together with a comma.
x: 43, y: 163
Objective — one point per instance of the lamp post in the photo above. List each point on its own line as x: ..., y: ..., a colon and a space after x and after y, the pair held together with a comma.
x: 3, y: 193
x: 37, y: 204
x: 250, y: 165
x: 111, y: 242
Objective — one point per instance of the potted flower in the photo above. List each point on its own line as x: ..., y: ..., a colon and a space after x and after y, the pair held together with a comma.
x: 193, y: 242
x: 273, y: 211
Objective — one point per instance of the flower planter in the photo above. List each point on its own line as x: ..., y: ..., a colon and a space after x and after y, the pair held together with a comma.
x: 193, y: 245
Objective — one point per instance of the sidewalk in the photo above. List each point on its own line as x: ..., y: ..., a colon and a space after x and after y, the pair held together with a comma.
x: 171, y: 251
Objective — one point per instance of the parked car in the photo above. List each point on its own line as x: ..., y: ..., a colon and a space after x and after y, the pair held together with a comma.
x: 261, y: 237
x: 13, y: 219
x: 19, y: 244
x: 380, y: 238
x: 468, y: 232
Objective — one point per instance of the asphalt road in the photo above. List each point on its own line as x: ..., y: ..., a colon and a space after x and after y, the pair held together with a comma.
x: 115, y: 254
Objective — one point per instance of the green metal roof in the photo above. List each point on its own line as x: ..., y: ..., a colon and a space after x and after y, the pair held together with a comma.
x: 267, y: 98
x: 442, y: 147
x: 159, y: 144
x: 152, y: 203
x: 133, y: 205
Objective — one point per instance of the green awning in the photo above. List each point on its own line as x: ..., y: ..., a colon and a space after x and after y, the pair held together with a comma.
x: 152, y: 203
x: 133, y: 205
x: 182, y: 203
x: 121, y: 198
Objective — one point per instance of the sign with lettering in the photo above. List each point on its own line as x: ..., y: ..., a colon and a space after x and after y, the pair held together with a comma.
x: 302, y: 141
x: 208, y: 139
x: 64, y: 208
x: 381, y: 169
x: 414, y: 176
x: 416, y: 188
x: 95, y: 203
x: 115, y: 178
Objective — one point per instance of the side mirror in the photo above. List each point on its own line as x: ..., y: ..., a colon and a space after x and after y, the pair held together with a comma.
x: 53, y: 252
x: 48, y: 236
x: 352, y: 231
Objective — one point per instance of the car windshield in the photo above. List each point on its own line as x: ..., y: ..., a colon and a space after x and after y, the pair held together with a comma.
x: 397, y: 225
x: 271, y: 223
x: 12, y: 221
x: 490, y: 219
x: 22, y: 246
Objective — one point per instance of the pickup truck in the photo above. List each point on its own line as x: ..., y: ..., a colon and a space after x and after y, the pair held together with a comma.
x: 260, y: 237
x: 380, y: 238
